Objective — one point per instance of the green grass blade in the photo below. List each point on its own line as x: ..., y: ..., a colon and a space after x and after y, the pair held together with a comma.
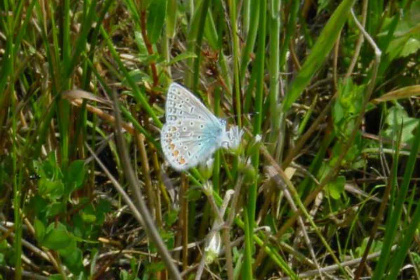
x: 391, y: 229
x: 319, y: 53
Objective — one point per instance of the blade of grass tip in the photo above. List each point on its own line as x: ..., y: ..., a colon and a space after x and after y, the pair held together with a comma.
x: 246, y: 8
x: 236, y: 94
x: 251, y: 36
x: 137, y: 93
x: 210, y: 32
x: 319, y: 53
x: 198, y: 40
x: 274, y: 68
x: 171, y: 13
x: 391, y: 228
x: 192, y: 35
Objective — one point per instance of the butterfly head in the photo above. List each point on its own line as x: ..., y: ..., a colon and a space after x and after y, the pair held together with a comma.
x: 231, y: 138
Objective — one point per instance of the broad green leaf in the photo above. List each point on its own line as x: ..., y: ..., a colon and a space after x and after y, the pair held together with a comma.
x: 156, y: 19
x: 76, y: 173
x: 319, y: 53
x: 336, y: 188
x: 347, y: 106
x: 396, y: 117
x: 54, y: 208
x: 39, y: 229
x: 171, y: 217
x: 74, y: 260
x: 88, y: 218
x: 57, y: 237
x: 50, y: 189
x: 410, y: 47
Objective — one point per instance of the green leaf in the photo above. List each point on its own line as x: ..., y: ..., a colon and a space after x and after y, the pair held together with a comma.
x: 336, y: 188
x: 75, y: 175
x: 375, y: 247
x: 411, y: 46
x: 50, y: 189
x: 156, y: 19
x: 346, y: 107
x: 39, y: 229
x: 88, y: 218
x: 55, y: 208
x: 57, y: 237
x: 396, y: 117
x: 103, y: 207
x: 171, y: 217
x: 74, y: 260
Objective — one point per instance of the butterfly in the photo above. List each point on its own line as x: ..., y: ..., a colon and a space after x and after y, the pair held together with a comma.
x: 192, y: 133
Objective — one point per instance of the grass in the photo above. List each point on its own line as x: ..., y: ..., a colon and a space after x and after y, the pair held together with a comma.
x: 323, y: 185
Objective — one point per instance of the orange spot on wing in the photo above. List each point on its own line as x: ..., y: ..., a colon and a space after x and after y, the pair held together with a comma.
x: 181, y: 160
x: 176, y: 153
x: 172, y: 146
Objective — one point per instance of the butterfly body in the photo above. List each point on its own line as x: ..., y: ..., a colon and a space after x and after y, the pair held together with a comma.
x: 191, y: 133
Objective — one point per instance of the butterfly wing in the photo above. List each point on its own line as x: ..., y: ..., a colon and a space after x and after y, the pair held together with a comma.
x: 182, y: 104
x: 192, y: 133
x: 188, y: 144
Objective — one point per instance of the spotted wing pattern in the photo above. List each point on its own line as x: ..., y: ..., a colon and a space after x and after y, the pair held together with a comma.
x: 191, y: 133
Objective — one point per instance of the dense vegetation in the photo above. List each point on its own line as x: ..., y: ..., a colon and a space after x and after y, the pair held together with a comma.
x: 325, y: 181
